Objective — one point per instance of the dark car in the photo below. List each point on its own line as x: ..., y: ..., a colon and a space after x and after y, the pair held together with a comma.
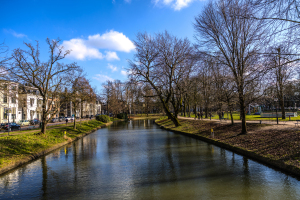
x: 12, y: 126
x: 53, y: 120
x: 34, y: 121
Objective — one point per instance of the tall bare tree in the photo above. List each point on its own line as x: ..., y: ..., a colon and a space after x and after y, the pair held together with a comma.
x: 48, y: 77
x: 234, y: 41
x: 163, y: 61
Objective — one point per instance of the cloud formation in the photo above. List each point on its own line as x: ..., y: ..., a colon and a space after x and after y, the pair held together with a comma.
x: 124, y: 72
x: 113, y: 68
x: 102, y: 78
x: 175, y: 4
x: 89, y: 48
x: 14, y: 33
x: 111, y: 55
x: 112, y: 40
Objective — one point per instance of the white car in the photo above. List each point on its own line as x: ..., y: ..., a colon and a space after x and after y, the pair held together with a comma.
x: 23, y: 122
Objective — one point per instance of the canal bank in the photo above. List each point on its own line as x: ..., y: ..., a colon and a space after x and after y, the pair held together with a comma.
x: 277, y: 148
x: 14, y: 154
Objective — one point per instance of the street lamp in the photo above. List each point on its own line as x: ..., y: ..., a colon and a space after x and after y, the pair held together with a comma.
x: 276, y: 99
x: 8, y: 110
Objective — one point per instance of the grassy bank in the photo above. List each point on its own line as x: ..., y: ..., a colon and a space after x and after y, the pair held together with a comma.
x: 236, y: 116
x: 276, y: 145
x: 15, y: 148
x: 145, y: 116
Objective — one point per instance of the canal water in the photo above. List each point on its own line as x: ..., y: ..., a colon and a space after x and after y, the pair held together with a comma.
x: 138, y: 160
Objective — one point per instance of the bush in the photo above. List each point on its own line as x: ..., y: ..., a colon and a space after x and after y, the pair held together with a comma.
x: 103, y: 118
x: 122, y: 116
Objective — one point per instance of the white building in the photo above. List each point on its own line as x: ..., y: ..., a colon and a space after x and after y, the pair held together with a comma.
x: 8, y: 102
x: 30, y: 104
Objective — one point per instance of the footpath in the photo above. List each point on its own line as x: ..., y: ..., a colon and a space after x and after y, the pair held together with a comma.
x: 277, y: 146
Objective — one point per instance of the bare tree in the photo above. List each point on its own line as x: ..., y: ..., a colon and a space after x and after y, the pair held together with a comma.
x: 48, y: 77
x: 163, y: 61
x: 233, y: 41
x: 281, y: 71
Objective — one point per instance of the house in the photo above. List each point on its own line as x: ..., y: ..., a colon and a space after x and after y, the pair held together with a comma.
x: 30, y: 103
x: 8, y: 101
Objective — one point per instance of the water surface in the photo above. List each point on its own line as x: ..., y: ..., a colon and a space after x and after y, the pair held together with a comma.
x: 138, y: 160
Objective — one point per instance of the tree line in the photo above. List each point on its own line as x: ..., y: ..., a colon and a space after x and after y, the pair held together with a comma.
x: 245, y: 52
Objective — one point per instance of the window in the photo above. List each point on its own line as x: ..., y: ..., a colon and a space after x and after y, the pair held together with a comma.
x: 13, y: 100
x: 14, y: 88
x: 31, y: 102
x: 4, y: 115
x: 5, y: 98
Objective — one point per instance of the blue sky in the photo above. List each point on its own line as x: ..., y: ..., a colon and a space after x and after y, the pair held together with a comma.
x: 99, y: 32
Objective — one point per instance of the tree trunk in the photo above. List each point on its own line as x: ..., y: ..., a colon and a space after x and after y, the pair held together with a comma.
x: 242, y: 111
x: 44, y: 125
x: 75, y: 122
x: 206, y: 111
x: 174, y: 119
x: 232, y: 122
x: 281, y: 104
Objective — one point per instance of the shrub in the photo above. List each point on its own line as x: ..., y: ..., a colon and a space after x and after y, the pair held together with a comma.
x: 103, y: 118
x: 122, y: 116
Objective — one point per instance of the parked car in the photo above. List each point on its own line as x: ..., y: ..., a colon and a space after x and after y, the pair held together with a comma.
x: 23, y: 122
x: 2, y: 125
x: 12, y: 126
x: 69, y: 118
x: 53, y: 120
x: 61, y: 119
x: 34, y: 121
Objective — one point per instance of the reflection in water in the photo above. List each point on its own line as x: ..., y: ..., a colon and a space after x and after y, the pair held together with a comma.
x: 137, y: 160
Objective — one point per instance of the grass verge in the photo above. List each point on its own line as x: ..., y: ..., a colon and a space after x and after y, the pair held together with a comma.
x: 16, y: 148
x: 236, y: 116
x: 280, y: 148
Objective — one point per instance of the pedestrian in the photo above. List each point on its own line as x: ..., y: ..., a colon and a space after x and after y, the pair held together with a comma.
x: 90, y: 116
x: 201, y: 115
x: 66, y: 121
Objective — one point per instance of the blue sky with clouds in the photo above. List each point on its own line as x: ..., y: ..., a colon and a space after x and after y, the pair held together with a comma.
x: 99, y: 32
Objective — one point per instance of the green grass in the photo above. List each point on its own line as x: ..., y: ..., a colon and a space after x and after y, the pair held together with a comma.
x: 236, y: 116
x: 17, y: 147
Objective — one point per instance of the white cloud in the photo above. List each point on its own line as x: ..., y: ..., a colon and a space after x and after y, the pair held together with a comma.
x: 175, y: 4
x: 111, y: 40
x: 89, y: 48
x: 124, y: 72
x: 111, y: 55
x: 80, y: 51
x: 14, y: 33
x: 113, y: 68
x: 102, y: 78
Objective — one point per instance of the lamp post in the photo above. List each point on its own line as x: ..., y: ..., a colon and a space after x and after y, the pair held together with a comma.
x: 8, y: 110
x: 276, y: 109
